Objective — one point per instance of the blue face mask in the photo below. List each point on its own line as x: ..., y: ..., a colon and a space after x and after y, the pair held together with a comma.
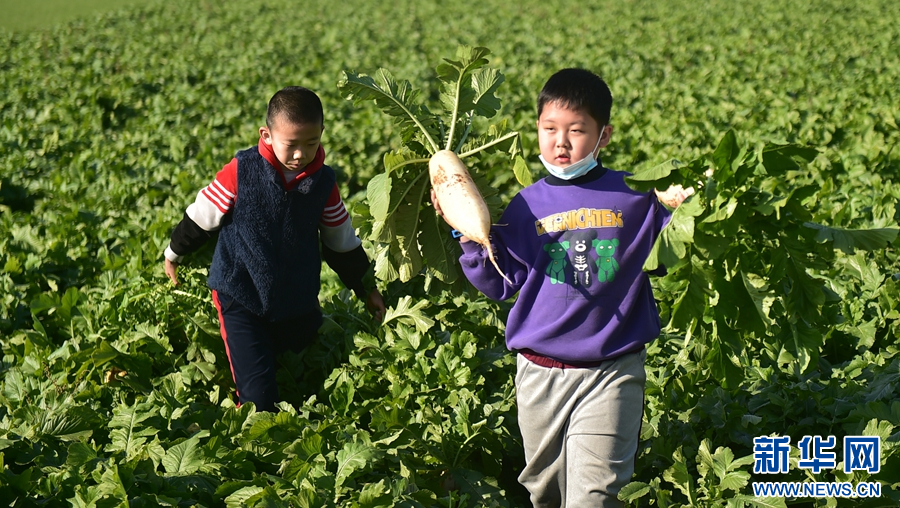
x: 576, y: 169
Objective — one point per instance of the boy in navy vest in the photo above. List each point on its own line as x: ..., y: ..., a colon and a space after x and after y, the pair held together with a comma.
x: 272, y: 205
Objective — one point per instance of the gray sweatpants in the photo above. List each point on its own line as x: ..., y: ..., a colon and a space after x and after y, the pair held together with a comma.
x: 580, y: 428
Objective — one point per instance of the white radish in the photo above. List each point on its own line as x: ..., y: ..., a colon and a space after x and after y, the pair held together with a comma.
x: 460, y: 201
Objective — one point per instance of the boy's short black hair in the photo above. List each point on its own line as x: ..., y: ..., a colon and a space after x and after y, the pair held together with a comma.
x: 295, y: 104
x: 578, y: 89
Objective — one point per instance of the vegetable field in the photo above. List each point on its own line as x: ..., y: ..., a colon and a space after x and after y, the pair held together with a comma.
x: 781, y: 303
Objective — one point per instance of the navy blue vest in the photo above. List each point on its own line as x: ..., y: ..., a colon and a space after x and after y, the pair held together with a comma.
x: 267, y: 257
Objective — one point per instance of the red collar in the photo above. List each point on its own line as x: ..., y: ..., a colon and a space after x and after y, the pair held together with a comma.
x: 266, y: 151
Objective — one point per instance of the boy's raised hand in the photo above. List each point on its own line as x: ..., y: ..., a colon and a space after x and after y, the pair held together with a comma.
x: 172, y: 271
x: 674, y: 195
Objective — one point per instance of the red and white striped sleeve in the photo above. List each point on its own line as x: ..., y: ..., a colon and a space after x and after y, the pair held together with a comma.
x: 216, y: 199
x: 204, y: 215
x: 335, y: 213
x: 335, y: 225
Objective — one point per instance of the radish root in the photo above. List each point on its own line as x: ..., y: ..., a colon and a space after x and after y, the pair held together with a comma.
x: 490, y: 252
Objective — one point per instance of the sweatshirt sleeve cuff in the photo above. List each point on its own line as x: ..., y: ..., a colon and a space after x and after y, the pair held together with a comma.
x: 472, y: 253
x: 171, y: 256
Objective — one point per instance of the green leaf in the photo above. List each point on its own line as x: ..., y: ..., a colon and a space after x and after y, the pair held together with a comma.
x: 38, y: 326
x: 806, y: 294
x: 450, y: 367
x: 375, y: 495
x: 297, y: 468
x: 671, y: 244
x: 723, y: 466
x: 395, y: 160
x: 184, y: 458
x: 803, y: 342
x: 104, y: 353
x: 74, y: 423
x: 405, y: 225
x: 111, y: 483
x: 128, y: 435
x: 411, y: 314
x: 12, y: 266
x: 724, y: 211
x: 485, y: 83
x: 396, y: 98
x: 477, y: 486
x: 307, y: 447
x: 779, y: 159
x: 458, y: 94
x: 86, y: 496
x: 268, y: 498
x: 353, y: 457
x: 705, y: 461
x: 16, y: 386
x: 633, y: 491
x: 881, y: 429
x: 378, y: 194
x: 727, y: 156
x: 497, y: 139
x: 67, y: 423
x: 723, y: 357
x: 239, y: 498
x: 691, y: 304
x: 656, y: 177
x: 762, y: 299
x: 384, y: 266
x: 522, y: 172
x: 43, y: 302
x: 679, y: 476
x: 342, y: 393
x: 79, y: 454
x: 848, y: 240
x: 769, y: 203
x: 440, y: 251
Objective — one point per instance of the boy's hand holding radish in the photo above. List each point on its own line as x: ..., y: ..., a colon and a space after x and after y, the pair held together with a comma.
x: 437, y: 209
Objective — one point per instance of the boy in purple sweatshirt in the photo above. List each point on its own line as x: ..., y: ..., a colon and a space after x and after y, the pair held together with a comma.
x: 574, y: 244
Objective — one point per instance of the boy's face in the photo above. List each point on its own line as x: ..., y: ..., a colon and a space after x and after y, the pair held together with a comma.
x: 566, y: 136
x: 295, y: 145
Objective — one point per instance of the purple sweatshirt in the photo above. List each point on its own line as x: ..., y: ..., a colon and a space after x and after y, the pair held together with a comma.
x: 574, y: 251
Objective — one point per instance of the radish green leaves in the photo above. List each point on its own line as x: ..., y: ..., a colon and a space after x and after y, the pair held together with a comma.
x: 408, y: 233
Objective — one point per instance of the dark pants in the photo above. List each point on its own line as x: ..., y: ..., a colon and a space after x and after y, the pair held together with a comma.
x: 252, y: 344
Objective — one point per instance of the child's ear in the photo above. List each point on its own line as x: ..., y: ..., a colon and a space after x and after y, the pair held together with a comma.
x: 606, y: 135
x: 265, y: 134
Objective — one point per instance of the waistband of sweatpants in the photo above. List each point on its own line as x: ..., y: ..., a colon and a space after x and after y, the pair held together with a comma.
x: 546, y: 361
